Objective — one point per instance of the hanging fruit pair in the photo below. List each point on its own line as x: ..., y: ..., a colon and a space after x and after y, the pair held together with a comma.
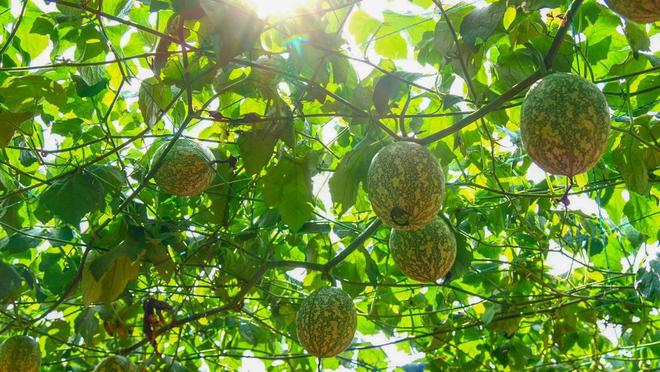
x: 406, y: 188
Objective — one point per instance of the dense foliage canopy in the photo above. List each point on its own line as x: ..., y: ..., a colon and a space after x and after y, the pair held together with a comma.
x: 96, y: 259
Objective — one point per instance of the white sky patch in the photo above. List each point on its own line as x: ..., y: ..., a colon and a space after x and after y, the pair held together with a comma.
x: 43, y: 58
x: 587, y: 205
x: 251, y: 364
x: 50, y: 7
x: 395, y: 357
x: 375, y: 8
x: 55, y: 315
x: 560, y: 261
x: 322, y: 191
x: 297, y: 274
x: 506, y: 144
x: 472, y: 300
x: 535, y: 174
x: 321, y: 188
x: 611, y: 331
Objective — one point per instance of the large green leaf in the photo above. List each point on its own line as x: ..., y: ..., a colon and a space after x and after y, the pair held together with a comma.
x: 482, y: 22
x: 72, y: 198
x: 154, y: 98
x: 350, y: 173
x: 10, y: 279
x: 643, y: 214
x: 288, y: 187
x: 26, y: 92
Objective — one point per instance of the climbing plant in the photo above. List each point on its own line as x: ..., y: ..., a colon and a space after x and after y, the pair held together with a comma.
x: 96, y: 259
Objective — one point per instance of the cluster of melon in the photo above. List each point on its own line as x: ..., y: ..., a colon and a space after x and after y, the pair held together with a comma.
x: 564, y: 127
x: 564, y: 123
x: 406, y: 187
x: 22, y: 354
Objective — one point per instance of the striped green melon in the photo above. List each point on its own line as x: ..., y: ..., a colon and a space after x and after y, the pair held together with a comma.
x: 406, y: 185
x: 642, y: 11
x: 116, y: 363
x: 20, y: 353
x: 187, y: 169
x: 565, y: 123
x: 426, y: 254
x: 326, y: 322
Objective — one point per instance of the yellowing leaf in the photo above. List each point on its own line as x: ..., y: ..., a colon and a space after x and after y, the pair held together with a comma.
x: 111, y: 284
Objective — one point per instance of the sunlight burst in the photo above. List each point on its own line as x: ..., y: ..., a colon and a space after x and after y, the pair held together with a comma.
x: 277, y: 8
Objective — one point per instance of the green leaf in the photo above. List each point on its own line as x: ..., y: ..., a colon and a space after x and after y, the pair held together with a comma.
x: 490, y: 313
x: 480, y: 24
x: 351, y: 272
x: 362, y: 26
x: 92, y: 74
x: 58, y: 237
x: 85, y: 90
x: 9, y: 123
x: 75, y: 196
x: 24, y: 93
x: 643, y: 215
x: 23, y: 240
x: 463, y: 257
x: 288, y: 187
x: 251, y: 333
x: 90, y: 44
x: 157, y: 253
x: 154, y: 98
x: 68, y: 10
x: 648, y: 279
x: 387, y: 89
x: 351, y: 172
x: 133, y: 244
x: 393, y: 45
x: 56, y: 274
x: 42, y: 26
x: 69, y: 127
x: 11, y: 281
x: 111, y: 178
x: 509, y: 16
x: 87, y: 325
x: 628, y: 158
x: 117, y: 8
x: 637, y: 37
x: 230, y: 29
x: 258, y: 144
x: 371, y: 267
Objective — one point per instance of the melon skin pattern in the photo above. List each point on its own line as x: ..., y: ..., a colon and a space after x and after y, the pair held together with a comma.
x: 406, y: 185
x: 20, y: 353
x: 426, y: 254
x: 187, y: 169
x: 565, y: 124
x: 116, y: 363
x: 641, y: 11
x: 326, y: 322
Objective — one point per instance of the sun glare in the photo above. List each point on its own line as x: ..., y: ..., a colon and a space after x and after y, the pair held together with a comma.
x: 277, y: 8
